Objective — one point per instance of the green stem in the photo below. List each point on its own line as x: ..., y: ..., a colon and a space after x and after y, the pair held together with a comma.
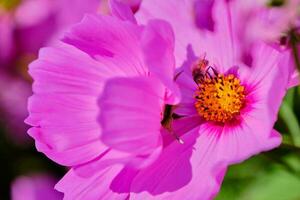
x: 291, y: 122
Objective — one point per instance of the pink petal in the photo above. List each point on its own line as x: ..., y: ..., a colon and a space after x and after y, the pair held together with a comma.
x: 266, y: 82
x: 97, y: 186
x: 75, y: 155
x: 122, y: 11
x: 63, y: 109
x: 183, y: 171
x: 131, y: 114
x: 295, y: 79
x: 134, y: 4
x: 158, y: 35
x: 107, y: 159
x: 180, y: 15
x: 187, y: 87
x: 195, y: 169
x: 203, y: 11
x: 110, y: 41
x: 220, y: 46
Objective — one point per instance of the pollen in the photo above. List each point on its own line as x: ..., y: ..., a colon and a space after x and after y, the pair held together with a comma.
x: 220, y: 98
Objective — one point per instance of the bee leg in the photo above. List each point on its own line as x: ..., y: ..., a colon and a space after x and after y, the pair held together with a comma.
x: 213, y: 69
x: 208, y: 74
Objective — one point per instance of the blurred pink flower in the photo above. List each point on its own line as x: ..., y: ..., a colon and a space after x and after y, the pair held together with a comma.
x: 35, y: 187
x: 13, y: 106
x: 269, y: 22
x: 31, y: 24
x: 6, y: 39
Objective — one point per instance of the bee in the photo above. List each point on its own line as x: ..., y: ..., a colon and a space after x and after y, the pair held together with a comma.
x: 200, y: 70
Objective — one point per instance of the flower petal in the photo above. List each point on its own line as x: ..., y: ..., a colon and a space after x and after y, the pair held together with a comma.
x: 131, y: 114
x: 195, y: 169
x: 111, y: 41
x: 63, y: 109
x: 97, y: 186
x: 121, y: 10
x: 220, y: 46
x: 158, y: 35
x: 203, y: 11
x: 183, y: 171
x: 179, y: 14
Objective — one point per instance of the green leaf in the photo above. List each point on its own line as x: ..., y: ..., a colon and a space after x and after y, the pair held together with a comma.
x: 277, y: 185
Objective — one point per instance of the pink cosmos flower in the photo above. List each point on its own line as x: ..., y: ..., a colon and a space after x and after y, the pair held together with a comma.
x: 35, y: 187
x: 130, y: 68
x: 227, y: 114
x: 68, y: 80
x: 137, y: 158
x: 235, y: 106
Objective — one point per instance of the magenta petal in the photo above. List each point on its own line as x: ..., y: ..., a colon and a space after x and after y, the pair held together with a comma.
x: 183, y: 171
x: 295, y: 76
x: 236, y: 144
x: 266, y: 82
x: 97, y: 186
x: 83, y: 152
x: 122, y: 11
x: 63, y: 109
x: 131, y: 114
x: 203, y: 11
x: 171, y: 171
x: 195, y: 170
x: 180, y: 15
x: 158, y: 35
x: 187, y: 87
x: 220, y: 46
x: 295, y: 79
x: 110, y: 41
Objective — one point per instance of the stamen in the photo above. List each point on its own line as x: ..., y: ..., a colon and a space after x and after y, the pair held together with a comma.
x: 220, y: 99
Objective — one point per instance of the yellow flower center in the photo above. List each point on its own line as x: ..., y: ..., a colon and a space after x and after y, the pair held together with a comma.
x: 220, y: 98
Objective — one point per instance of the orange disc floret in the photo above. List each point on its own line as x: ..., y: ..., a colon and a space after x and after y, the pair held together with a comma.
x: 220, y: 98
